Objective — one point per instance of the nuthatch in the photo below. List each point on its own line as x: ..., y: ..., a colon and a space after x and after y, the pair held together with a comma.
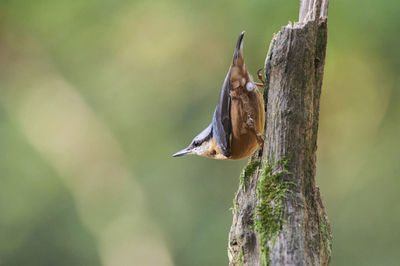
x: 238, y: 122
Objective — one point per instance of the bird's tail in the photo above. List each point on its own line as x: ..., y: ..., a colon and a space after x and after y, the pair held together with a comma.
x: 238, y: 55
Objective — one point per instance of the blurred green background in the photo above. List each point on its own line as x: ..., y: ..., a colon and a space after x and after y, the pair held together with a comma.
x: 95, y: 96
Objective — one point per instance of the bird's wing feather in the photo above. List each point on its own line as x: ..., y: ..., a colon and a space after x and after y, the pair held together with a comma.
x: 222, y: 127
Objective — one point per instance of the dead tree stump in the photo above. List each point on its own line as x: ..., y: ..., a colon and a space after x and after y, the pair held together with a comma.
x: 278, y: 215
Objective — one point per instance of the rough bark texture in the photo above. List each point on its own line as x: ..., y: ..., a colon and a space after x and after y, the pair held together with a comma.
x: 293, y: 73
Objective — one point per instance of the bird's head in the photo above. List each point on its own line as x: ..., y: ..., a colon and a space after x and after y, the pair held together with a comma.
x: 203, y: 145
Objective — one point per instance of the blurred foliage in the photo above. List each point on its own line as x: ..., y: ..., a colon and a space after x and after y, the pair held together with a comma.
x: 95, y: 96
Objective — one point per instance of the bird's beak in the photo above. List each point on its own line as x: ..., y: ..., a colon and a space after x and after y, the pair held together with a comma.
x: 182, y: 152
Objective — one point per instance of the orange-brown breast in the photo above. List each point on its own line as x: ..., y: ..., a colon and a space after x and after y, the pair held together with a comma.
x: 245, y: 104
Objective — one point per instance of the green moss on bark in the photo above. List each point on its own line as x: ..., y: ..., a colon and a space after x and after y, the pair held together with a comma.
x: 235, y: 206
x: 241, y: 257
x: 326, y: 236
x: 248, y: 171
x: 271, y: 190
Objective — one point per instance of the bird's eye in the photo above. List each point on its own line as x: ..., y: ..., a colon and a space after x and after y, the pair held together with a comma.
x: 196, y: 143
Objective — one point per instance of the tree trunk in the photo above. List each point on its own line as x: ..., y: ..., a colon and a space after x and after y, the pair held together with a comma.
x: 278, y: 216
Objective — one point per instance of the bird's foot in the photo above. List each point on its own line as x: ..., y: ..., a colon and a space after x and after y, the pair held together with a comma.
x: 252, y: 127
x: 261, y: 85
x: 259, y: 75
x: 260, y: 140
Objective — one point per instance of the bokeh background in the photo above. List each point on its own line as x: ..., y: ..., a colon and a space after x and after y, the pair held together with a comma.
x: 96, y: 95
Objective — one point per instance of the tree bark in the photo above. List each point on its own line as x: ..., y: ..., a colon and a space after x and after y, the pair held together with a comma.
x: 278, y: 215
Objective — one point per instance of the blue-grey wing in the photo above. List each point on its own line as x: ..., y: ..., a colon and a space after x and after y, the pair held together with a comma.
x: 222, y: 126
